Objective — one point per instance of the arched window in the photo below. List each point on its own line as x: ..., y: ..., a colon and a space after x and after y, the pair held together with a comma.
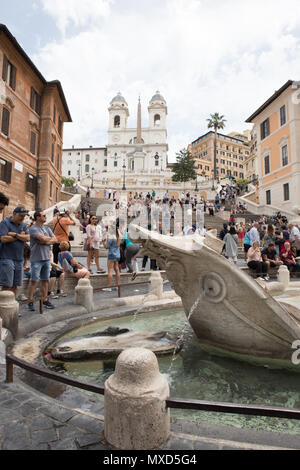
x: 157, y: 120
x: 117, y: 121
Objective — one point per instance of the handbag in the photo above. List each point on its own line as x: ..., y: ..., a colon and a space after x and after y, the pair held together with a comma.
x: 71, y: 237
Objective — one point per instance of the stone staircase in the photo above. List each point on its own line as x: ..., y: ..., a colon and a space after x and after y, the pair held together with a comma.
x: 96, y: 202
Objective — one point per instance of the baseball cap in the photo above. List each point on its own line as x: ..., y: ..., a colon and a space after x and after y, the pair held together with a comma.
x: 21, y: 210
x: 62, y: 210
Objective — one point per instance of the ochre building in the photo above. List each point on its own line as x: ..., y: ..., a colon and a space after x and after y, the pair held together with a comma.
x: 32, y: 116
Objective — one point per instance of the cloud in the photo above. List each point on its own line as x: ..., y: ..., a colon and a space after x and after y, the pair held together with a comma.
x: 203, y: 56
x: 78, y: 13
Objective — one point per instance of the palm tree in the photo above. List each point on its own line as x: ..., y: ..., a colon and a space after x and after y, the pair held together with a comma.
x: 216, y: 122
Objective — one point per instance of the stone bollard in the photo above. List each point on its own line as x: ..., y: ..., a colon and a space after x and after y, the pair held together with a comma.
x: 135, y: 413
x: 156, y: 286
x: 84, y: 294
x: 284, y: 276
x: 9, y: 312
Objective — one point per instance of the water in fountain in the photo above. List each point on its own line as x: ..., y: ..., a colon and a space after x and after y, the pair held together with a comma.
x: 186, y: 334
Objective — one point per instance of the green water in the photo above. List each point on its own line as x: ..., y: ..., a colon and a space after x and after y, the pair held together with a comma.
x: 195, y: 373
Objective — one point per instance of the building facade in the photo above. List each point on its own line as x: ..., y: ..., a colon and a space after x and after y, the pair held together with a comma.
x: 32, y: 116
x: 231, y: 155
x: 278, y: 148
x: 80, y: 163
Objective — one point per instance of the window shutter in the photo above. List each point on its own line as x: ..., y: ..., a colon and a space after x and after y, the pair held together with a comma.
x: 13, y: 77
x: 32, y: 93
x: 38, y: 104
x: 32, y: 143
x: 5, y: 67
x: 5, y: 121
x: 8, y: 172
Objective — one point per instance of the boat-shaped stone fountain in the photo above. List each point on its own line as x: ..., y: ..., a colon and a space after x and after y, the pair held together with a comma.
x: 226, y: 308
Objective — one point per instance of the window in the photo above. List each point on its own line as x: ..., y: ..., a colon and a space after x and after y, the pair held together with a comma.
x: 60, y: 123
x: 115, y: 163
x: 117, y: 121
x: 222, y: 171
x: 31, y: 183
x: 241, y: 175
x: 5, y: 171
x: 235, y: 164
x: 156, y: 162
x: 69, y: 172
x: 207, y: 168
x: 157, y: 120
x: 200, y: 166
x: 56, y: 194
x: 58, y: 161
x: 51, y: 188
x: 105, y: 162
x: 267, y: 164
x: 286, y: 192
x: 52, y: 152
x: 9, y: 73
x: 87, y: 168
x: 282, y: 115
x: 35, y: 101
x: 32, y: 142
x: 265, y: 129
x: 268, y: 197
x: 5, y: 121
x: 87, y: 158
x: 54, y: 113
x: 241, y: 166
x: 235, y: 173
x: 285, y: 156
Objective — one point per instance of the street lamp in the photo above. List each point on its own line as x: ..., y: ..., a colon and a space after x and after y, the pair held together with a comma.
x: 93, y: 169
x: 38, y: 192
x: 124, y: 168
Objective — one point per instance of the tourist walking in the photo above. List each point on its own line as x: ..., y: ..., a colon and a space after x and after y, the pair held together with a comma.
x: 231, y: 245
x: 14, y: 234
x: 61, y: 230
x: 131, y: 251
x: 41, y: 239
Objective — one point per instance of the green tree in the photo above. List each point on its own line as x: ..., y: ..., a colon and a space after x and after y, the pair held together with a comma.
x: 184, y: 168
x: 216, y: 122
x: 68, y: 182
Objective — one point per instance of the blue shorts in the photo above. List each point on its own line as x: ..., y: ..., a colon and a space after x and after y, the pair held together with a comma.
x: 11, y: 273
x: 40, y: 270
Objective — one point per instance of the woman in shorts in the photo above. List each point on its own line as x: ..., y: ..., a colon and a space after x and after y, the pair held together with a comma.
x: 112, y: 244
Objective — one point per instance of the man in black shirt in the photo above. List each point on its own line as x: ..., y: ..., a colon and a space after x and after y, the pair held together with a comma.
x: 269, y: 255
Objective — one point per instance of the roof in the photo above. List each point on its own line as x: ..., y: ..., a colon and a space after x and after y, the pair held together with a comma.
x: 225, y: 137
x: 12, y: 39
x: 270, y: 100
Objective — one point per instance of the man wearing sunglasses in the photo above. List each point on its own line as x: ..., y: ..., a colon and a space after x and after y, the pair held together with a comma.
x: 13, y: 234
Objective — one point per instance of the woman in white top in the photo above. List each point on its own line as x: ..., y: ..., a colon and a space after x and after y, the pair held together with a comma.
x: 94, y: 239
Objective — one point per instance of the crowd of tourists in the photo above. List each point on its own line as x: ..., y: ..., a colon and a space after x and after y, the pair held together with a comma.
x: 267, y: 243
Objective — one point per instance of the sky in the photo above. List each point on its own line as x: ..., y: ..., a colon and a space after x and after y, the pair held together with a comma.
x: 225, y: 56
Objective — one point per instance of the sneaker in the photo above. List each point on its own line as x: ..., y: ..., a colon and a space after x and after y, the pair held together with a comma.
x: 60, y: 293
x: 31, y: 307
x: 101, y: 271
x: 267, y: 277
x: 53, y: 296
x: 48, y: 305
x: 107, y: 289
x: 133, y: 276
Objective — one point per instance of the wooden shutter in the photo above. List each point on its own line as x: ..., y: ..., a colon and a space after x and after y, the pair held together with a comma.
x: 38, y: 103
x: 5, y: 121
x: 32, y: 142
x: 8, y: 172
x: 32, y: 95
x: 13, y: 77
x: 5, y: 68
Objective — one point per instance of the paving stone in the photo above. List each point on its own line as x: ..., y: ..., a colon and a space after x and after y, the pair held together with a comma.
x: 67, y: 432
x: 60, y: 414
x: 6, y: 416
x: 88, y: 440
x: 38, y: 447
x: 28, y: 411
x: 41, y: 422
x: 64, y: 444
x: 18, y: 443
x: 198, y: 445
x: 11, y: 404
x: 44, y: 436
x: 85, y: 422
x: 16, y: 427
x: 180, y: 444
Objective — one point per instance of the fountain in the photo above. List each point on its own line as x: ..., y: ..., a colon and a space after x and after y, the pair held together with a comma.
x: 226, y: 308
